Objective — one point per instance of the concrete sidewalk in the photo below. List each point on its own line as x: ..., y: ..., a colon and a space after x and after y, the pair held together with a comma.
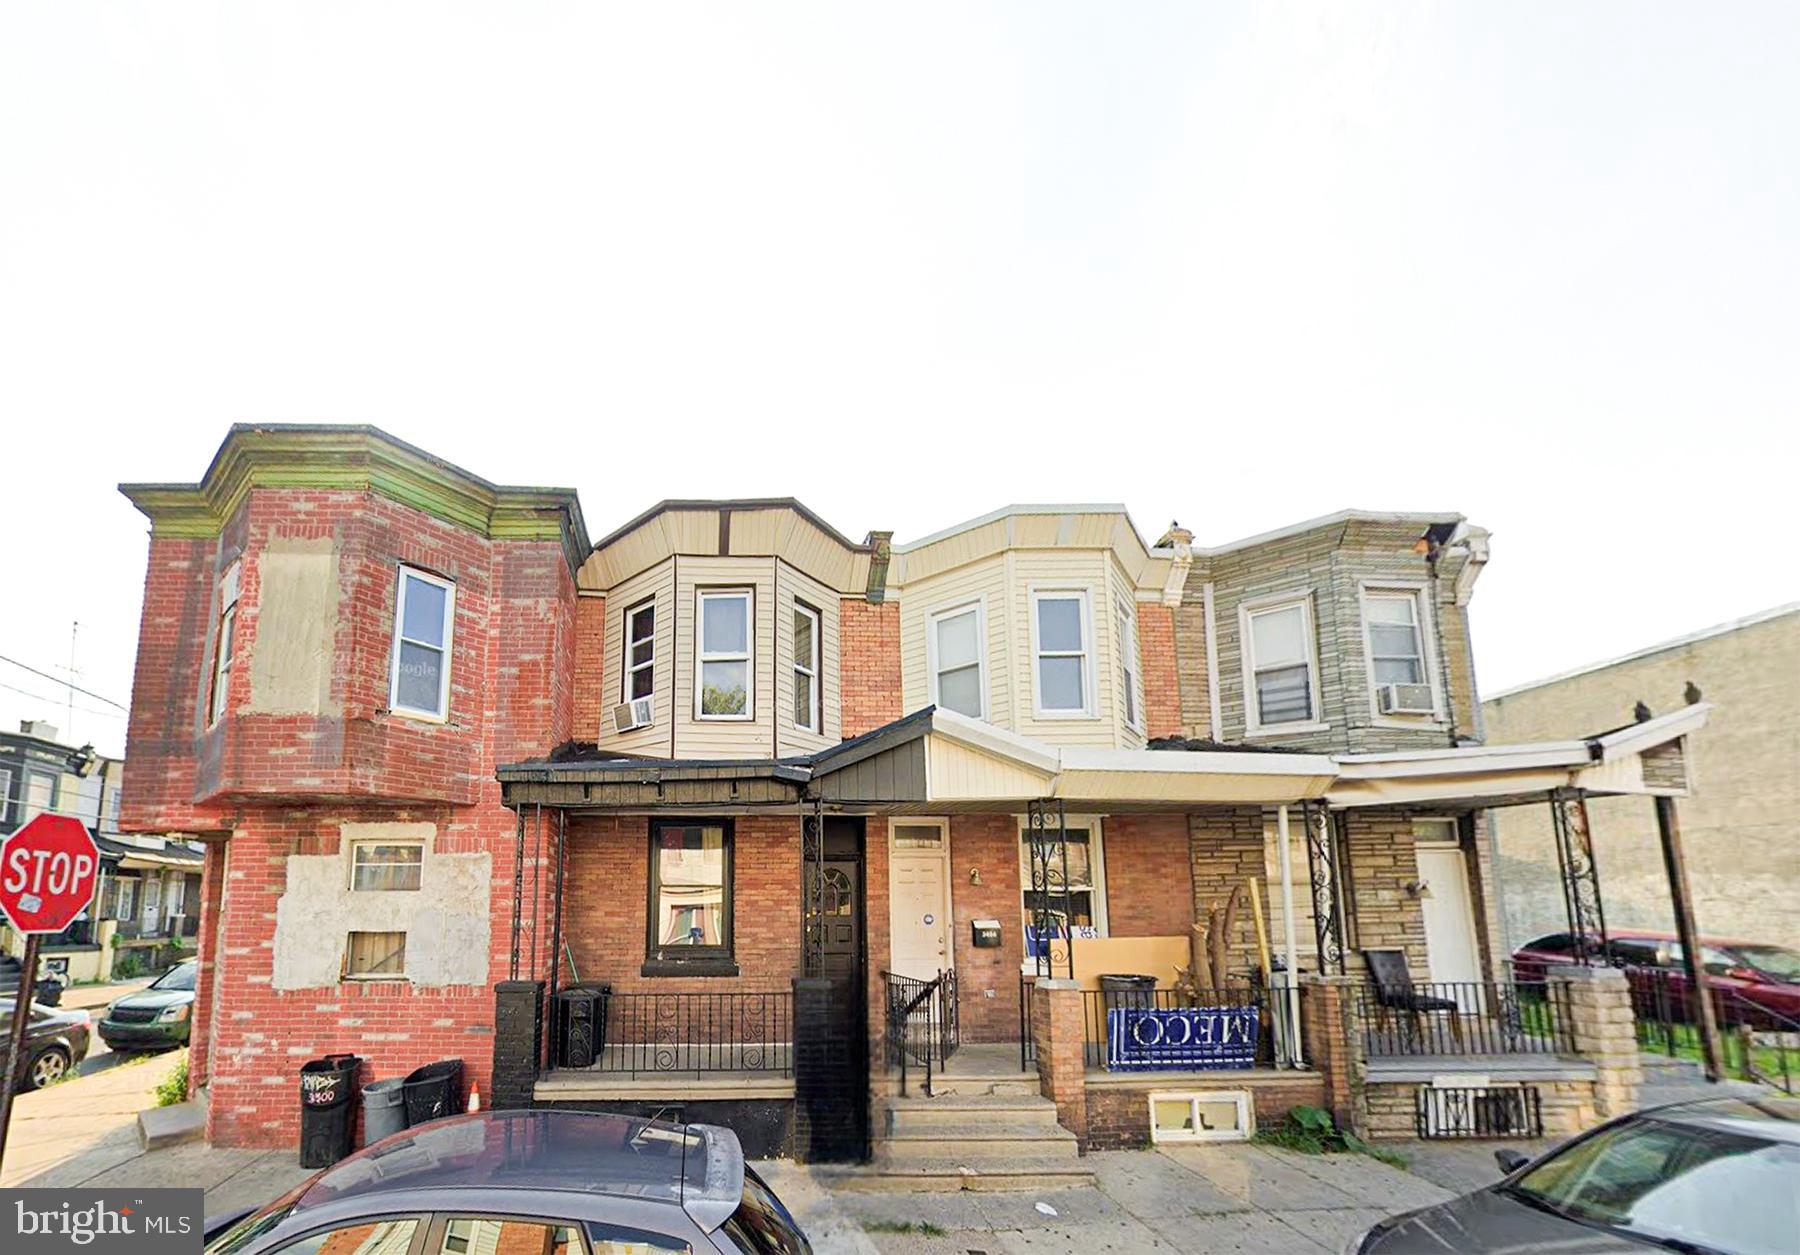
x: 95, y: 997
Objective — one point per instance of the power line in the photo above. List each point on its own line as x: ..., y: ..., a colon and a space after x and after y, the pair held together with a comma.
x: 39, y: 697
x: 72, y: 687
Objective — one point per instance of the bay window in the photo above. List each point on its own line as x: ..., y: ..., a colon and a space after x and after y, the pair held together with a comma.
x: 806, y: 667
x: 724, y: 687
x: 640, y: 651
x: 1282, y: 688
x: 1060, y: 662
x: 957, y: 646
x: 1128, y: 665
x: 419, y: 680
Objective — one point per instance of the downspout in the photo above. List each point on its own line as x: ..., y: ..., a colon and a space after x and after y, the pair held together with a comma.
x: 1434, y: 548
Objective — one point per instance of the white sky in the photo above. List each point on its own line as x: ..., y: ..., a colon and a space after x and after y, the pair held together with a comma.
x: 1237, y: 266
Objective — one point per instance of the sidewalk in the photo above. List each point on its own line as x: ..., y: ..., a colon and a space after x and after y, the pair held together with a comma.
x: 95, y: 997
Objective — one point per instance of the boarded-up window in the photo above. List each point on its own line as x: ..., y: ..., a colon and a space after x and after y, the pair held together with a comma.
x: 375, y: 956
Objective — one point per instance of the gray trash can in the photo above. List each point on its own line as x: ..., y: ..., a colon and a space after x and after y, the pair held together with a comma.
x: 1136, y: 993
x: 384, y: 1109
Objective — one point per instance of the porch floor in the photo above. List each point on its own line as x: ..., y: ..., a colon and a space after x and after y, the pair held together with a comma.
x: 985, y: 1059
x: 589, y: 1085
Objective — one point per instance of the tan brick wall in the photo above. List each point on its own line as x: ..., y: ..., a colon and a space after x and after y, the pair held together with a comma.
x: 1382, y: 858
x: 1226, y: 848
x: 1568, y: 1108
x: 1739, y: 829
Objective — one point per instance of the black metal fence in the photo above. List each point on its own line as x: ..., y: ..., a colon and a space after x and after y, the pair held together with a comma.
x: 697, y: 1033
x: 1758, y: 1043
x: 1488, y: 1111
x: 1464, y: 1018
x: 1273, y: 1020
x: 922, y: 1025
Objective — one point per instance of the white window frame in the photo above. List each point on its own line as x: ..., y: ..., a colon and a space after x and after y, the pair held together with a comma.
x: 627, y: 669
x: 363, y: 843
x: 1426, y: 626
x: 1130, y: 665
x: 442, y: 713
x: 932, y: 619
x: 1088, y: 708
x: 1242, y: 1098
x: 1253, y: 723
x: 49, y: 807
x: 1096, y: 829
x: 702, y: 657
x: 223, y: 654
x: 6, y: 797
x: 812, y: 668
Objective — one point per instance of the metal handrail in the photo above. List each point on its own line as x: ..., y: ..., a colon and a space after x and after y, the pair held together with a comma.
x: 1659, y: 1004
x: 899, y: 1015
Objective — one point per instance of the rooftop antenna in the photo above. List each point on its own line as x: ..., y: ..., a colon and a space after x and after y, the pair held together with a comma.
x: 69, y: 710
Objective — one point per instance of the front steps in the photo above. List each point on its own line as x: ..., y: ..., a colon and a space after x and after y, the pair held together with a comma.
x: 970, y: 1137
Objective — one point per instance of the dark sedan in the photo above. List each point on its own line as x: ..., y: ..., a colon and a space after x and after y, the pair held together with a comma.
x: 55, y: 1041
x: 1717, y: 1176
x: 544, y: 1182
x: 155, y: 1017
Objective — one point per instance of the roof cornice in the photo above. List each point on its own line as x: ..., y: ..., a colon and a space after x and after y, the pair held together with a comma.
x: 357, y: 459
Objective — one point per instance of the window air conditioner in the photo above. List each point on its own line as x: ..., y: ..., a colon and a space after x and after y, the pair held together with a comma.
x: 1406, y: 699
x: 632, y: 714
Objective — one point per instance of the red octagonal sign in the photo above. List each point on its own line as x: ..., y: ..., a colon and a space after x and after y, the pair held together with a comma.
x: 47, y: 873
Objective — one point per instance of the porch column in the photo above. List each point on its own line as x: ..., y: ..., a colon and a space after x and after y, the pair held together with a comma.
x: 1290, y: 950
x: 1056, y: 1030
x: 1334, y: 1044
x: 518, y: 1043
x: 1597, y: 1002
x: 1675, y: 865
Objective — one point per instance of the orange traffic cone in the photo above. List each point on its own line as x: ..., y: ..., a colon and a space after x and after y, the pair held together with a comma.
x: 474, y: 1098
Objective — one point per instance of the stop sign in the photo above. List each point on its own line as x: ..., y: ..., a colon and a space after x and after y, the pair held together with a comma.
x: 48, y: 870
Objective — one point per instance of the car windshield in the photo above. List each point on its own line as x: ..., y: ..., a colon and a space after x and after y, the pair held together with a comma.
x: 1685, y: 1186
x: 181, y: 976
x: 1773, y: 961
x: 761, y: 1225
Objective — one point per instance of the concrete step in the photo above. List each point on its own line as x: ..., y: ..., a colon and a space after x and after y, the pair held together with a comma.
x: 964, y: 1084
x: 1664, y: 1068
x: 974, y: 1142
x: 950, y: 1175
x: 953, y: 1111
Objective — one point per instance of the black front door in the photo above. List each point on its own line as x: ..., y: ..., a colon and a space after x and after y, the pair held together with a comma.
x: 834, y: 1095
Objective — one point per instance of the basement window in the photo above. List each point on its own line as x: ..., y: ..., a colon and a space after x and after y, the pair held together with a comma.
x: 383, y: 866
x: 375, y: 956
x: 1224, y: 1115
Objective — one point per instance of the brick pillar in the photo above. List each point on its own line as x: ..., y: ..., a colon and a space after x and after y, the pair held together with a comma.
x: 1596, y: 1003
x: 1331, y: 1032
x: 831, y: 1077
x: 518, y: 1042
x: 200, y: 1030
x: 1056, y: 1030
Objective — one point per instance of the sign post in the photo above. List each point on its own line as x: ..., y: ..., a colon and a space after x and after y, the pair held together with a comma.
x: 48, y: 870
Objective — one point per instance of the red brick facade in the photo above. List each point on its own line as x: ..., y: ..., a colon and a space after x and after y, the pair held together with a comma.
x: 987, y: 980
x: 1162, y: 676
x: 869, y: 652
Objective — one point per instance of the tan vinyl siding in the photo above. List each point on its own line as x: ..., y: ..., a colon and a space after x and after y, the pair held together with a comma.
x: 722, y: 738
x: 658, y: 583
x: 1052, y: 570
x: 982, y: 581
x: 792, y: 585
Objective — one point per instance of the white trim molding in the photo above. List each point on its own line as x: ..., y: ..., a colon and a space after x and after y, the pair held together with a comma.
x: 403, y: 573
x: 933, y: 618
x: 1254, y: 724
x: 1083, y: 596
x: 1424, y: 628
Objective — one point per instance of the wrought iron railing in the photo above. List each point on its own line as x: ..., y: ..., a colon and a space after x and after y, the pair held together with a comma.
x: 1757, y: 1043
x: 1486, y: 1111
x: 1274, y: 1021
x: 922, y: 1026
x: 1464, y: 1018
x: 697, y: 1033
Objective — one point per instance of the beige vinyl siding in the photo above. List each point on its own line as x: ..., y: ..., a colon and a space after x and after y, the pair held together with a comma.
x: 792, y: 585
x: 956, y: 772
x: 658, y: 582
x: 725, y: 738
x: 981, y: 581
x: 1048, y: 570
x: 1122, y: 589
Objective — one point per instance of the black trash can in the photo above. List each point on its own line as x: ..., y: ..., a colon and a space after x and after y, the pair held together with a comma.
x: 1135, y: 993
x: 327, y: 1113
x: 433, y: 1091
x: 580, y: 1020
x: 384, y: 1109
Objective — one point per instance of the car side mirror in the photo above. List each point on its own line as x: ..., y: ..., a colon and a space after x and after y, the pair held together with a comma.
x: 1739, y: 973
x: 1510, y: 1160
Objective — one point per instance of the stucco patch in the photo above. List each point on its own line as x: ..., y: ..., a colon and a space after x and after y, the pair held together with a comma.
x: 296, y: 628
x: 445, y: 920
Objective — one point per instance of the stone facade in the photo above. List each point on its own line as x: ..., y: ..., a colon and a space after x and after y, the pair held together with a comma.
x: 1740, y: 827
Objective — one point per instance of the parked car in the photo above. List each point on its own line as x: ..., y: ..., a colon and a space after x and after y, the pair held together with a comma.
x: 55, y: 1041
x: 155, y: 1017
x: 528, y: 1180
x: 1715, y: 1176
x: 1763, y: 976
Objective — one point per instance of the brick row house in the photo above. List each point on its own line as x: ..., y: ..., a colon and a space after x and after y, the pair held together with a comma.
x: 730, y: 816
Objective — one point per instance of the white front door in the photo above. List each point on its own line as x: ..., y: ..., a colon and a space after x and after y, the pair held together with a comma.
x: 919, y: 899
x: 152, y: 899
x: 1449, y: 916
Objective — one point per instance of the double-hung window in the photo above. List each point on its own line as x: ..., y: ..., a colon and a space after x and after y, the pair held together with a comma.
x: 223, y: 648
x: 1396, y: 645
x: 1128, y: 665
x: 383, y: 866
x: 690, y: 892
x: 1072, y: 899
x: 419, y: 682
x: 640, y: 651
x: 806, y: 667
x: 725, y: 679
x: 1060, y: 635
x: 1283, y: 689
x: 956, y: 643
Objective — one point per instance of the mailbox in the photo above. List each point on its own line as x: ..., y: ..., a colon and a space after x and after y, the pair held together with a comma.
x: 987, y: 933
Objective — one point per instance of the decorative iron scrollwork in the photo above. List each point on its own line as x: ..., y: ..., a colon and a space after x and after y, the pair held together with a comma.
x: 1580, y: 877
x: 812, y: 840
x: 1323, y: 861
x: 1047, y: 841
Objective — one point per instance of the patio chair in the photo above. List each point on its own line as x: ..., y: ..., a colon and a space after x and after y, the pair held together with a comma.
x: 1394, y: 992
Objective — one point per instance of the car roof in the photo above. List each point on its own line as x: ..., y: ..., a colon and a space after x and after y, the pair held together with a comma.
x: 694, y: 1166
x: 1650, y: 934
x: 1774, y: 1118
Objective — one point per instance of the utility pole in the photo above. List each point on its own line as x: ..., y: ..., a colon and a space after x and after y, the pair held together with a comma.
x: 1675, y: 865
x: 69, y: 711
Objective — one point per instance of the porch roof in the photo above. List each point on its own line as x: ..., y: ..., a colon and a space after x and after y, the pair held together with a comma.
x: 938, y: 760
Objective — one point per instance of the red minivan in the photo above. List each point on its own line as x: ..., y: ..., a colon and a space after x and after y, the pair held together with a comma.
x: 1757, y: 984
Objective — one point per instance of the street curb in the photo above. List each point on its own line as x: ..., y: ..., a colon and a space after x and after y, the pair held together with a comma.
x: 170, y: 1126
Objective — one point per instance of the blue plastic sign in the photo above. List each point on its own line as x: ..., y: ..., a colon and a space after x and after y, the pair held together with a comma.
x: 1180, y: 1039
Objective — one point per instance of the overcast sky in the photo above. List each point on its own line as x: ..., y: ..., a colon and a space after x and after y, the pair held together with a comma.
x: 1232, y: 265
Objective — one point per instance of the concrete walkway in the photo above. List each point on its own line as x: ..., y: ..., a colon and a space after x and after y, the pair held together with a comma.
x: 80, y: 1118
x: 1188, y: 1199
